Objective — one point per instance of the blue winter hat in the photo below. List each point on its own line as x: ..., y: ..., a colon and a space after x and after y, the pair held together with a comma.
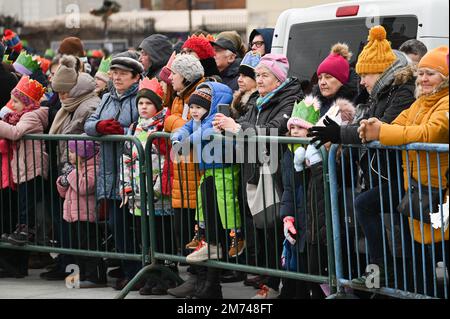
x: 249, y: 63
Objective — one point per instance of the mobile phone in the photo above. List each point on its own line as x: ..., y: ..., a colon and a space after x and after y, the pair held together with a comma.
x: 224, y: 109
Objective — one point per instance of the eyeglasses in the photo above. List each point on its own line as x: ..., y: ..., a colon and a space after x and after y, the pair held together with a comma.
x: 258, y: 44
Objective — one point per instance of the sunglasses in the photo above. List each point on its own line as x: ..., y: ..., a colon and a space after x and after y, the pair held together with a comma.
x: 258, y: 44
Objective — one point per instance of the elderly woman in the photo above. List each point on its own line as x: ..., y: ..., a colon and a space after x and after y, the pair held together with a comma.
x: 268, y: 112
x: 426, y: 121
x: 336, y: 78
x: 114, y: 115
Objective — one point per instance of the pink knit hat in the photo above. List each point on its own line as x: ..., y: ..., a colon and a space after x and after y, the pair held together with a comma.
x: 278, y: 64
x: 336, y: 64
x: 84, y: 149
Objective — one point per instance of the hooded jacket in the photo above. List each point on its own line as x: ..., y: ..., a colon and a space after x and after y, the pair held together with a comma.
x: 29, y: 157
x: 267, y: 34
x: 199, y: 133
x: 160, y: 49
x: 124, y: 110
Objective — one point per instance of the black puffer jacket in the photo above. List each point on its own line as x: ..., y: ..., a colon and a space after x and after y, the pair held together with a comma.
x: 390, y: 101
x: 273, y: 115
x: 348, y: 91
x: 386, y: 105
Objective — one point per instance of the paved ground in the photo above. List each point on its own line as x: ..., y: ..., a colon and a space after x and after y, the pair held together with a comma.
x: 32, y: 287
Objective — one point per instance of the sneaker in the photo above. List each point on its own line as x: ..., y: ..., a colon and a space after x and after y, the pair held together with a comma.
x: 266, y: 292
x: 195, y: 240
x: 91, y: 284
x: 21, y: 236
x: 202, y: 251
x: 193, y: 244
x: 4, y: 237
x: 237, y: 247
x: 56, y: 274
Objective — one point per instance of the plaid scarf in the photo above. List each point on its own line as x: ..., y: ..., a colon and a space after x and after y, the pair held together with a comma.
x: 387, y: 77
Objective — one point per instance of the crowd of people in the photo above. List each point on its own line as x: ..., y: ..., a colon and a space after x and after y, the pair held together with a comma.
x: 203, y: 206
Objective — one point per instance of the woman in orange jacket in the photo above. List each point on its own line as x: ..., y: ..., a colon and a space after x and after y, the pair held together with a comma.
x: 186, y: 73
x: 426, y: 121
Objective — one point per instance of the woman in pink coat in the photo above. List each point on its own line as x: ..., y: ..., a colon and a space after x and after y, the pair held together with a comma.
x: 77, y: 186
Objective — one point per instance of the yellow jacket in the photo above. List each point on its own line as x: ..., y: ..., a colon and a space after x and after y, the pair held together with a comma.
x: 426, y: 121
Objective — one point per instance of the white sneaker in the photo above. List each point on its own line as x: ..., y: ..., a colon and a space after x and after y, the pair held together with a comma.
x: 201, y: 253
x: 266, y: 292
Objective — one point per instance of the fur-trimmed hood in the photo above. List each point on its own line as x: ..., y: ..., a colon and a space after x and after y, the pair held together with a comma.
x: 405, y: 74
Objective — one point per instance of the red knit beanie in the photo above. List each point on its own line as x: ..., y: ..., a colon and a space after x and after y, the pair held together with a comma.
x: 336, y: 64
x: 201, y: 46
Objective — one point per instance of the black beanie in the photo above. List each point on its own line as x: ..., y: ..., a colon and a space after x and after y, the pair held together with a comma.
x: 247, y: 71
x: 201, y: 97
x: 152, y: 96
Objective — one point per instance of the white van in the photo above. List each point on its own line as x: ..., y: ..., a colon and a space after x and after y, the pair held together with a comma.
x: 306, y: 35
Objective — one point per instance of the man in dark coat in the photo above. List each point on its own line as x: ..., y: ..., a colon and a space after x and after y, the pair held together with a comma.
x: 155, y: 52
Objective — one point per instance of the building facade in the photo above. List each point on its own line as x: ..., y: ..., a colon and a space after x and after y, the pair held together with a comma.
x: 32, y: 10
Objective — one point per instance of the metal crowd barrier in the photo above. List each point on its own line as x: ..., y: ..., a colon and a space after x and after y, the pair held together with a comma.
x: 113, y: 232
x: 401, y: 254
x: 172, y: 230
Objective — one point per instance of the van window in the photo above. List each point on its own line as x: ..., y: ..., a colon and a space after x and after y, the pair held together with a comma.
x: 309, y: 43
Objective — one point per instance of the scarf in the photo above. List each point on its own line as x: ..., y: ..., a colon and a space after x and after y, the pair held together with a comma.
x: 13, y: 118
x: 265, y: 99
x: 387, y: 77
x: 68, y: 107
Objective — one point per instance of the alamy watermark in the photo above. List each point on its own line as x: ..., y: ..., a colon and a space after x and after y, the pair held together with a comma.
x: 208, y: 147
x: 73, y: 280
x: 373, y: 279
x: 73, y: 18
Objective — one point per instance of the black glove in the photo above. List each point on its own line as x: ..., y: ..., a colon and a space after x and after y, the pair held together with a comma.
x: 331, y: 132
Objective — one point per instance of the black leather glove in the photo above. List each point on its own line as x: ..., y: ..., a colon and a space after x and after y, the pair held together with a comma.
x: 331, y: 132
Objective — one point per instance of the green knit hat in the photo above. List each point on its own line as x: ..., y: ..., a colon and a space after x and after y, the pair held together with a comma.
x: 103, y: 69
x: 306, y: 113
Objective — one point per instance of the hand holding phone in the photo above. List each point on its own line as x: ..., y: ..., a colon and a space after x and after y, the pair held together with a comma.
x: 224, y: 109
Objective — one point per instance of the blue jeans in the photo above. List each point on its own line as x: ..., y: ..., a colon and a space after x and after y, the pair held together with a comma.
x: 368, y: 207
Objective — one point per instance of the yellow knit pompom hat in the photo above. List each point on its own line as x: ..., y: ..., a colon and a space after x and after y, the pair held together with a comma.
x: 377, y: 55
